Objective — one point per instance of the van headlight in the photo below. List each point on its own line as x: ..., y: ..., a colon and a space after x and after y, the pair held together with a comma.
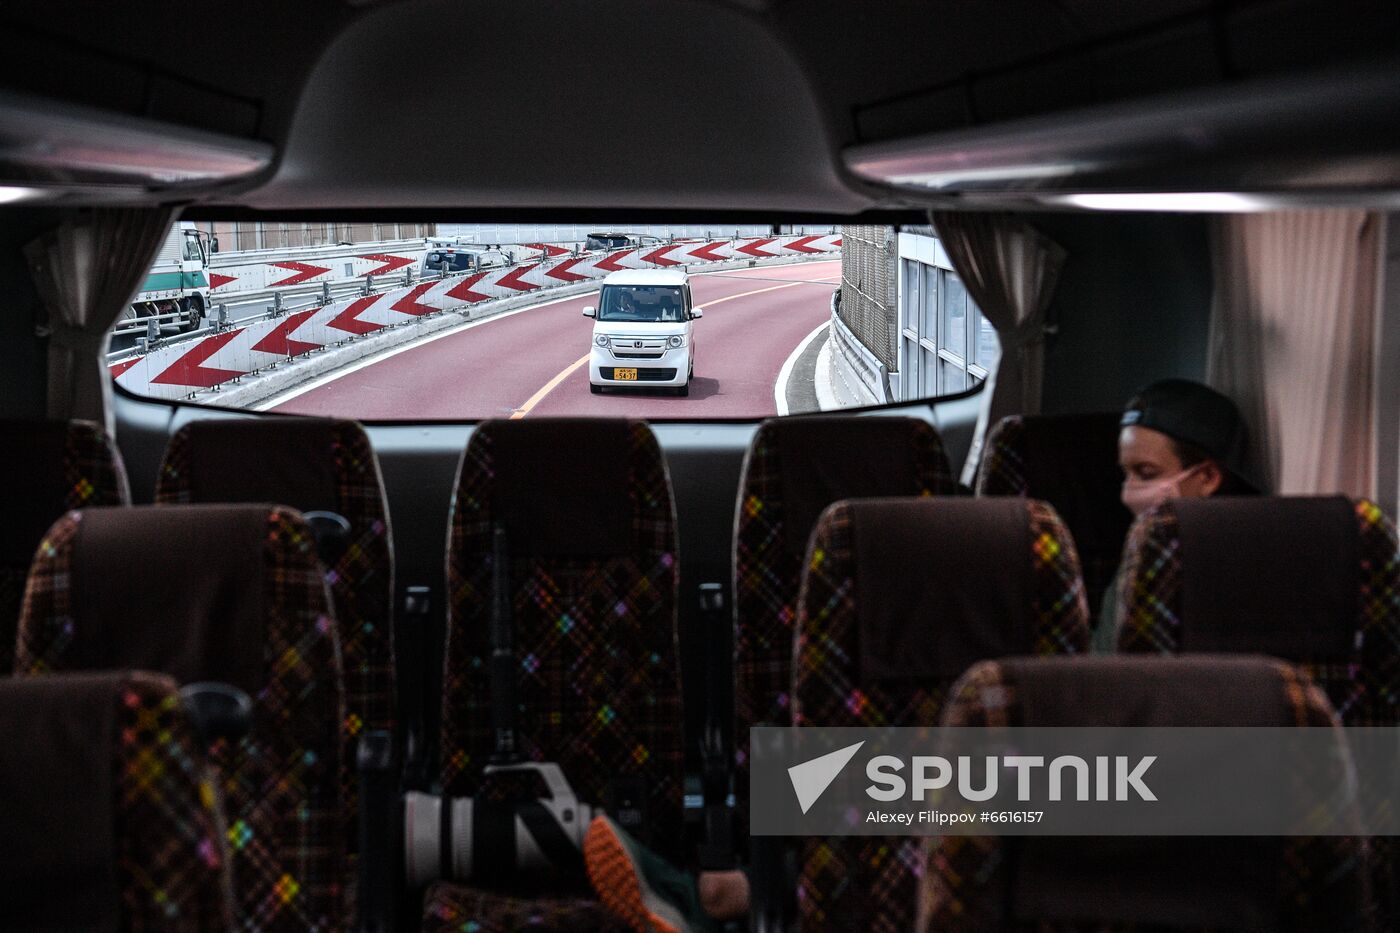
x: 675, y: 341
x: 601, y: 340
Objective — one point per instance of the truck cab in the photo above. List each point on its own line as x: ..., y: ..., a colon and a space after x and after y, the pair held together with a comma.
x: 643, y: 331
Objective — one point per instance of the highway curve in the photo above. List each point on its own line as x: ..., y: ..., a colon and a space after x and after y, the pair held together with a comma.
x: 533, y: 363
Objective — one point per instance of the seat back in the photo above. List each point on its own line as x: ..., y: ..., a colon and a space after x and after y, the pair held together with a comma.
x: 794, y: 469
x: 47, y: 468
x: 1121, y: 884
x: 110, y: 820
x: 898, y: 598
x: 228, y: 593
x: 1071, y: 462
x: 1310, y: 580
x: 309, y: 464
x: 589, y: 519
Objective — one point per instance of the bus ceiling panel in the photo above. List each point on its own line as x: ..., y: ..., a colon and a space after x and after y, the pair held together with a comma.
x: 1327, y: 138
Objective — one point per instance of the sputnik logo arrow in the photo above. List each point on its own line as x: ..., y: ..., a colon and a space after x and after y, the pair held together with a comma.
x: 514, y: 280
x: 408, y: 304
x: 462, y: 291
x: 216, y: 279
x: 707, y: 252
x: 390, y: 263
x: 752, y: 248
x: 303, y: 270
x: 279, y: 339
x: 659, y: 257
x: 348, y: 320
x: 800, y: 245
x: 811, y: 778
x: 186, y: 371
x: 562, y: 273
x: 610, y: 262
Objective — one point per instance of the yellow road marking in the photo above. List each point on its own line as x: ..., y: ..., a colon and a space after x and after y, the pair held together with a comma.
x: 548, y: 387
x: 569, y: 370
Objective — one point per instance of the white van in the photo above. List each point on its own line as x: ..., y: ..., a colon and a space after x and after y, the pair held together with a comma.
x: 643, y: 331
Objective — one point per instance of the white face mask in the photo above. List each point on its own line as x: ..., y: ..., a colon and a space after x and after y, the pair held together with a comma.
x: 1139, y: 495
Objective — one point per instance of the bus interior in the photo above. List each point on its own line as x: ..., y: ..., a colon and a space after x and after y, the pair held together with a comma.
x: 284, y: 670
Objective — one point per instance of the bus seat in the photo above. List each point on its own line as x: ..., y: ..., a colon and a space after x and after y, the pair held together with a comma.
x: 1190, y: 884
x: 227, y: 593
x: 1071, y: 462
x: 111, y: 821
x: 1312, y: 580
x: 794, y: 469
x: 48, y: 468
x: 589, y: 524
x: 312, y: 465
x: 899, y: 597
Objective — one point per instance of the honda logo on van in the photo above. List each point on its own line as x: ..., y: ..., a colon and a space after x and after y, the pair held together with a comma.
x: 637, y: 344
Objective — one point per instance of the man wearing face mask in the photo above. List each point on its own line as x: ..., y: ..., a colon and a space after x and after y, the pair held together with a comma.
x: 1179, y: 439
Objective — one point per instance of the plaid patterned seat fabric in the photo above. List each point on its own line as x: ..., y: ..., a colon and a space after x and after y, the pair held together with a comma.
x: 870, y: 883
x: 1071, y: 462
x: 1350, y: 646
x: 249, y: 608
x: 590, y: 522
x: 1362, y: 680
x: 112, y: 822
x: 310, y: 464
x: 50, y: 467
x: 794, y: 468
x: 1019, y: 885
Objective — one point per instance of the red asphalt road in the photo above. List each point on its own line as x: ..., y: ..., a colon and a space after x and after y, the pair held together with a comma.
x: 501, y: 367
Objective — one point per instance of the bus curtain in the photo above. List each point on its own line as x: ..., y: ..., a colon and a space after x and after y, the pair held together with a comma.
x: 1010, y: 269
x: 86, y: 270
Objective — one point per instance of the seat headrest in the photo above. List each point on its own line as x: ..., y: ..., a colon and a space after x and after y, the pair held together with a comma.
x: 940, y: 583
x: 32, y: 455
x: 1232, y: 883
x: 59, y: 750
x: 1150, y: 691
x: 176, y: 589
x: 1071, y: 461
x: 561, y: 486
x: 823, y: 459
x: 1276, y: 575
x: 286, y: 460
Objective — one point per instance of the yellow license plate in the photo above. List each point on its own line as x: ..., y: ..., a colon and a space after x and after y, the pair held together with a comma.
x: 625, y: 375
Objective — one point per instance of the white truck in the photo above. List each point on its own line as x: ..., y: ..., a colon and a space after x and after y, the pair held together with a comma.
x: 175, y: 293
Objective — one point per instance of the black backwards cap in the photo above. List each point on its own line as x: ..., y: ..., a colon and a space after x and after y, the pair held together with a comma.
x: 1193, y: 414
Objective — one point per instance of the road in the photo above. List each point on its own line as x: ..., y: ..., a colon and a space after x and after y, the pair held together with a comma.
x: 534, y: 362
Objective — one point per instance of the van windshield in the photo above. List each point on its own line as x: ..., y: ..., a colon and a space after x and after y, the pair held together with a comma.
x: 656, y: 304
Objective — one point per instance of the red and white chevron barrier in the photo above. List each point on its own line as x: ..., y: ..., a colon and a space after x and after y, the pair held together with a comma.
x: 180, y: 369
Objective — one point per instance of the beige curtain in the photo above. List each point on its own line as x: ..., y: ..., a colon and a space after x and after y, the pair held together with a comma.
x: 1293, y: 341
x: 85, y: 271
x: 1010, y: 269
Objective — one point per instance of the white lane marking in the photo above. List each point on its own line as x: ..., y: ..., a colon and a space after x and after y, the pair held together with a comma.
x: 330, y: 377
x: 784, y: 374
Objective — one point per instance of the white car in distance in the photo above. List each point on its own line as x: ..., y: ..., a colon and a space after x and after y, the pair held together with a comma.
x: 643, y: 331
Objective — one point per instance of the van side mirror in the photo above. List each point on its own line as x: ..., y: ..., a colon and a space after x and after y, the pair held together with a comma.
x: 590, y: 311
x: 696, y: 313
